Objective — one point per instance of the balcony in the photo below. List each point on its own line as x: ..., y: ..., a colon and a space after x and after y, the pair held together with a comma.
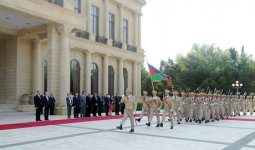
x: 56, y: 2
x: 116, y: 44
x: 131, y: 48
x: 101, y: 39
x: 84, y: 35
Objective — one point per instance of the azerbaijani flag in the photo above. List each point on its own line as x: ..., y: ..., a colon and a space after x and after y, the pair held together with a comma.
x: 157, y: 75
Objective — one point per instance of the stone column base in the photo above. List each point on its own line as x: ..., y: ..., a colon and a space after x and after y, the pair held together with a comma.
x: 60, y: 110
x: 26, y: 108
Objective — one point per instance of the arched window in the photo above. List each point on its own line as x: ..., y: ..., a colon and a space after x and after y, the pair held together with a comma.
x: 110, y: 80
x: 94, y: 78
x: 125, y: 75
x: 45, y: 64
x: 75, y: 76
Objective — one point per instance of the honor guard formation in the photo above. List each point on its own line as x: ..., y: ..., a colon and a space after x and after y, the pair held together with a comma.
x: 190, y: 107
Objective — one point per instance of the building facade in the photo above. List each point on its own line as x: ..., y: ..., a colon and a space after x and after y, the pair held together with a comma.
x: 63, y: 46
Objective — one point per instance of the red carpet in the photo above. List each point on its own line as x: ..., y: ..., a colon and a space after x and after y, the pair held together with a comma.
x: 67, y: 121
x: 54, y: 122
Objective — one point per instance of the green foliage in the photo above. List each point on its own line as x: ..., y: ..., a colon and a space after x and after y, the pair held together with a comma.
x: 139, y: 106
x: 207, y: 66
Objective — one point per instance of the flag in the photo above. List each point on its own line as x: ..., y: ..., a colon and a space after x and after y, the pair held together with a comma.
x: 157, y: 75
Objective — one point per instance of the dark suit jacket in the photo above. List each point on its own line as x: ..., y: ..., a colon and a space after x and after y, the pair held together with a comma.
x: 88, y: 100
x: 52, y: 101
x: 38, y: 101
x: 46, y: 102
x: 76, y: 101
x: 107, y: 101
x: 94, y: 100
x: 117, y: 99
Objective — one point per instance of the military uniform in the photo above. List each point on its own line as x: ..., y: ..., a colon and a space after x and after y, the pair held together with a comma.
x: 145, y: 108
x: 155, y: 104
x: 168, y: 109
x: 130, y: 107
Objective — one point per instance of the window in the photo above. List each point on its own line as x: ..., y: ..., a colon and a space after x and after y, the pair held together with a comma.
x: 125, y: 31
x: 45, y: 64
x: 111, y: 26
x: 77, y: 6
x: 110, y: 80
x: 94, y: 78
x: 56, y: 2
x: 94, y: 19
x: 125, y: 75
x: 75, y: 76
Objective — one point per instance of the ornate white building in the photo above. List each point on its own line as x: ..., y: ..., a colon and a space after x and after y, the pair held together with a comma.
x: 68, y: 45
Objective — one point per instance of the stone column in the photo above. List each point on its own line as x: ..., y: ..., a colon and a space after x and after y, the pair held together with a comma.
x: 37, y: 70
x: 120, y: 23
x: 88, y: 73
x: 64, y: 67
x: 106, y: 23
x: 135, y: 78
x: 139, y: 31
x: 88, y: 16
x: 136, y: 30
x: 120, y: 78
x: 105, y: 75
x: 139, y: 86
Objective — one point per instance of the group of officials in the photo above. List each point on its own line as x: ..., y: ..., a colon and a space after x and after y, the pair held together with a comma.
x: 44, y: 101
x: 86, y: 105
x: 197, y: 107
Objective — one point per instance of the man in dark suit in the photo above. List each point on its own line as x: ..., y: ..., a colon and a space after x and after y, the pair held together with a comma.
x: 52, y: 104
x: 122, y: 108
x: 69, y: 105
x: 100, y: 105
x: 94, y: 104
x: 76, y: 105
x: 107, y: 104
x: 38, y: 105
x: 117, y: 104
x: 46, y: 104
x: 83, y: 104
x: 89, y: 105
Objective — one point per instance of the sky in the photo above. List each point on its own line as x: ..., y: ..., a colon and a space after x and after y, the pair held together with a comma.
x: 171, y: 27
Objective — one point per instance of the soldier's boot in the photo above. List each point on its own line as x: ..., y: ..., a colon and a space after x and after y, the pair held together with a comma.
x: 119, y: 127
x: 161, y: 125
x: 187, y: 120
x: 148, y: 124
x: 196, y: 121
x: 132, y: 130
x: 169, y: 119
x: 139, y: 119
x: 212, y: 120
x: 178, y: 122
x: 171, y: 127
x: 181, y: 119
x: 190, y: 120
x: 199, y: 121
x: 157, y: 125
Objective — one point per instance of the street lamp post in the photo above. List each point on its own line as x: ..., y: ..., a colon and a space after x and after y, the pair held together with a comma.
x: 237, y: 86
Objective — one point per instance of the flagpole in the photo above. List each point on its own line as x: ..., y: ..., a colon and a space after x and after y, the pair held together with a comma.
x: 150, y: 77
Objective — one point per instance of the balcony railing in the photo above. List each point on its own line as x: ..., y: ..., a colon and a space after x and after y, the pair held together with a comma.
x: 131, y: 48
x: 84, y: 34
x: 101, y: 39
x: 56, y: 2
x: 116, y: 44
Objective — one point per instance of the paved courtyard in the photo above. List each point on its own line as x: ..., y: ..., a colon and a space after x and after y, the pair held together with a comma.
x: 97, y: 135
